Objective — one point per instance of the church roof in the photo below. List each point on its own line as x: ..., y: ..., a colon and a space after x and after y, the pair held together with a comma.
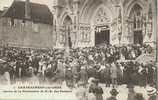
x: 39, y: 13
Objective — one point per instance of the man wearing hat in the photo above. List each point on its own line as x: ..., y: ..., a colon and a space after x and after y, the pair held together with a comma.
x: 60, y: 71
x: 114, y: 70
x: 113, y: 93
x: 152, y: 93
x: 83, y: 75
x: 91, y: 71
x: 69, y: 77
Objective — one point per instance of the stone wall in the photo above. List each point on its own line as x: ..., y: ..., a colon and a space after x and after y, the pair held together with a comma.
x: 27, y: 34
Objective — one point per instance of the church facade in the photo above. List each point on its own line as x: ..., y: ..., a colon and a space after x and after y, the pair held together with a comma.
x: 93, y: 22
x: 79, y: 23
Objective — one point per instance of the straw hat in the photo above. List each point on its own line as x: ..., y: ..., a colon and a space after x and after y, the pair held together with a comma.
x: 83, y: 67
x: 151, y: 91
x: 91, y: 79
x: 30, y: 68
x: 69, y: 69
x: 114, y: 92
x: 80, y: 83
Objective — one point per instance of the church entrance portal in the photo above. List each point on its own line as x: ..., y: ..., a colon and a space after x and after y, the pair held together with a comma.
x: 101, y: 20
x: 138, y: 37
x: 102, y: 35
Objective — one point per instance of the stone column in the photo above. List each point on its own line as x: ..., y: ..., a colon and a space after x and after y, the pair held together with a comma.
x: 76, y: 21
x: 157, y: 37
x: 155, y: 31
x: 57, y: 8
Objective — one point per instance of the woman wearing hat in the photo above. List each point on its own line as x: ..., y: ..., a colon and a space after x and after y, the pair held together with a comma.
x: 83, y: 75
x: 114, y: 76
x: 152, y: 93
x: 81, y: 91
x: 113, y: 93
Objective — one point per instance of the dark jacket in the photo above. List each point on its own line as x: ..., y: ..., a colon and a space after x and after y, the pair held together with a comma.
x: 111, y: 98
x: 154, y: 97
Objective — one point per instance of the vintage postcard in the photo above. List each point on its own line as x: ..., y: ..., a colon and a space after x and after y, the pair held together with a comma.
x: 78, y: 50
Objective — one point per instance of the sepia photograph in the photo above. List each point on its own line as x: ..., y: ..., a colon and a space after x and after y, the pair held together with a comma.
x: 78, y: 49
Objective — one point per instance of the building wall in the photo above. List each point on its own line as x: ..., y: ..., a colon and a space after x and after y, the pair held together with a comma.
x: 26, y: 34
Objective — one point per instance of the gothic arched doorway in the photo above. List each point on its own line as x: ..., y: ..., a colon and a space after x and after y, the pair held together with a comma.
x: 101, y: 23
x: 67, y: 23
x: 136, y: 16
x: 102, y: 34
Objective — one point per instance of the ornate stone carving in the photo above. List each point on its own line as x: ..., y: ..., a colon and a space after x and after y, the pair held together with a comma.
x: 101, y: 17
x: 85, y: 32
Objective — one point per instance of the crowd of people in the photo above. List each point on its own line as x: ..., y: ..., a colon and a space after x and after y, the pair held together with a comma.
x: 109, y: 65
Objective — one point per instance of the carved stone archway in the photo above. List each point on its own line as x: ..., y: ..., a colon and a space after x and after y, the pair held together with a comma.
x: 128, y: 7
x: 67, y: 21
x: 136, y: 24
x: 90, y: 7
x: 101, y: 15
x: 145, y: 18
x: 100, y: 22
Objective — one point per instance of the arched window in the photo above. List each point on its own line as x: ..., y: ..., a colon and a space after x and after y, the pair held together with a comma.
x: 137, y: 24
x: 67, y: 21
x: 137, y: 15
